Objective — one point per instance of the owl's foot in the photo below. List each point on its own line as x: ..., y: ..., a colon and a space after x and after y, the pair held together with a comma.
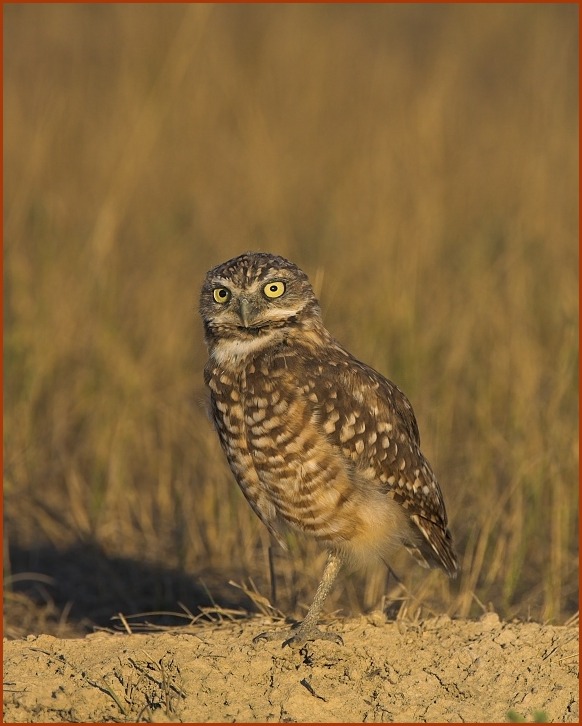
x: 299, y: 636
x: 308, y: 630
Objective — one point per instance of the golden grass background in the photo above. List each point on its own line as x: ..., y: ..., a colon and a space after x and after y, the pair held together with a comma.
x: 419, y: 162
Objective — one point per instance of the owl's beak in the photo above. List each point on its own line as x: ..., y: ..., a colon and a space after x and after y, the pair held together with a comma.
x: 245, y: 312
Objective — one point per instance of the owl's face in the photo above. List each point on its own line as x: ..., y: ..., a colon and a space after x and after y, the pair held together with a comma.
x: 255, y: 296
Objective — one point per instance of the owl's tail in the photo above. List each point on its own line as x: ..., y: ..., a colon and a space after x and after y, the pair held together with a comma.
x: 435, y: 546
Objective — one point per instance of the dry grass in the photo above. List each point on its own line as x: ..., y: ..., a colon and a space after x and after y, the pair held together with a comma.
x: 419, y: 162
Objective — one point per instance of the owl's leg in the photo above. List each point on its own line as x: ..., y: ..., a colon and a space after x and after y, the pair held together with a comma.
x: 308, y: 630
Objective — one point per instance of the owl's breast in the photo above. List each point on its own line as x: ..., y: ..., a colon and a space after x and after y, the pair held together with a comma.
x: 268, y: 421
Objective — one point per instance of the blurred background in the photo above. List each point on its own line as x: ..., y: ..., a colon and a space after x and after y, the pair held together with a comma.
x: 419, y: 162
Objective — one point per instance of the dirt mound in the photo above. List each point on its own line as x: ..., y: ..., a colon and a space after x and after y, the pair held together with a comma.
x: 435, y: 670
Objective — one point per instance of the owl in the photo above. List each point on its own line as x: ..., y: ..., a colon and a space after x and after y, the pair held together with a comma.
x: 317, y: 440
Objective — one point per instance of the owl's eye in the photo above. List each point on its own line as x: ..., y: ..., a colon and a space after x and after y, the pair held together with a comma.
x: 274, y: 289
x: 221, y: 294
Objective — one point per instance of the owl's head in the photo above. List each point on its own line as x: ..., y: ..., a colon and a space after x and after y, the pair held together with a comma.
x: 256, y: 296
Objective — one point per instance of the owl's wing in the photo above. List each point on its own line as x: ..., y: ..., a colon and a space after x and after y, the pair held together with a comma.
x: 245, y: 475
x: 372, y: 422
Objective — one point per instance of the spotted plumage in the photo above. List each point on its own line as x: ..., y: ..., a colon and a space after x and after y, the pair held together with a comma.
x: 317, y: 440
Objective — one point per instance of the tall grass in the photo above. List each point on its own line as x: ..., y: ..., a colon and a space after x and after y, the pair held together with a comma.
x: 419, y: 162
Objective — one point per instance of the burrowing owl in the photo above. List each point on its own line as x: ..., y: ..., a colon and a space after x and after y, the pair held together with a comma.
x: 316, y: 439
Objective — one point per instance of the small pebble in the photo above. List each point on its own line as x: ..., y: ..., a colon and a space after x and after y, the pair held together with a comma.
x: 377, y: 618
x: 490, y: 621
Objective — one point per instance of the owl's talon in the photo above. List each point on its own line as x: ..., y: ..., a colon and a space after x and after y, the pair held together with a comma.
x: 267, y: 636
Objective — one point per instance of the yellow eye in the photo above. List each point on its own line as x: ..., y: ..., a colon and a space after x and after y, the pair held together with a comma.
x: 221, y: 294
x: 274, y: 289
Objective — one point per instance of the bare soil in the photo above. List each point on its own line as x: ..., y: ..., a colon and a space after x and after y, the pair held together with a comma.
x: 436, y: 670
